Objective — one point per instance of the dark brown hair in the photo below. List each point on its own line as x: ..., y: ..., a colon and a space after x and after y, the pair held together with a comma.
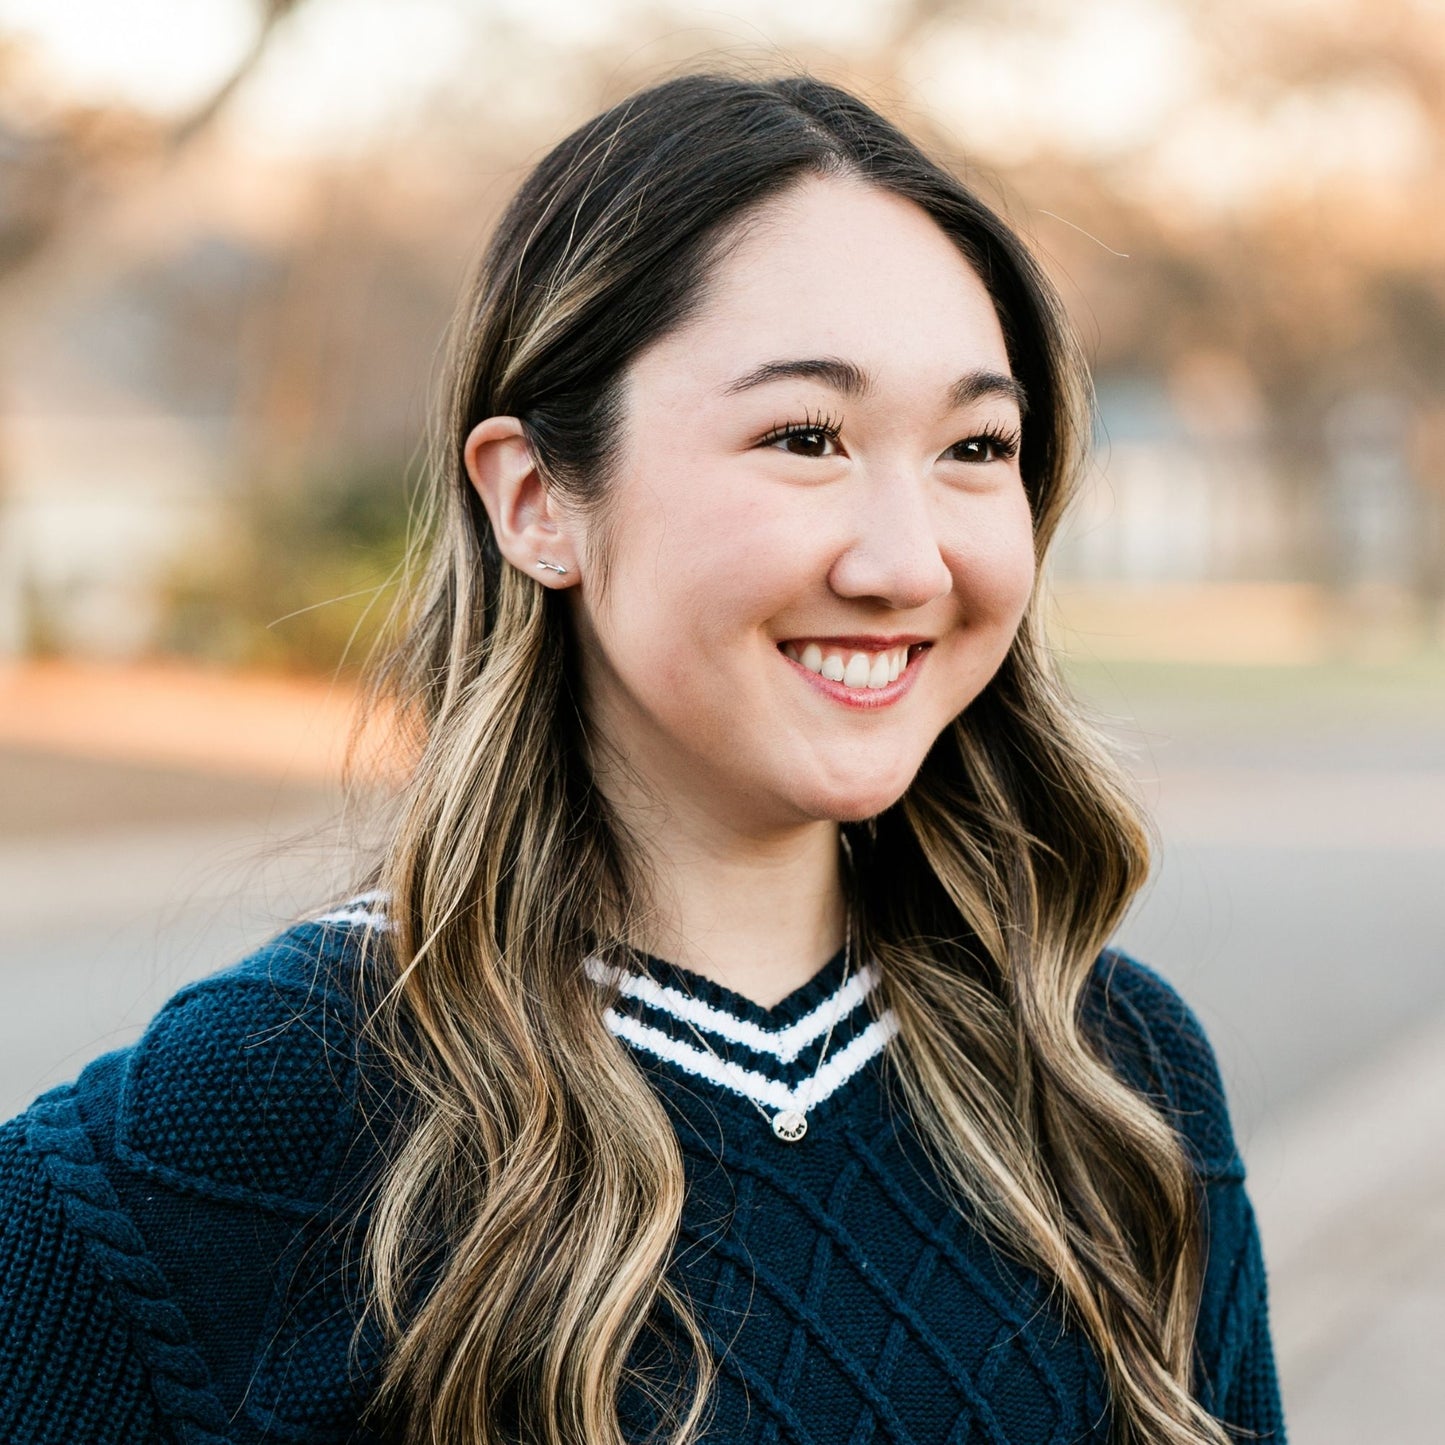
x: 536, y: 1151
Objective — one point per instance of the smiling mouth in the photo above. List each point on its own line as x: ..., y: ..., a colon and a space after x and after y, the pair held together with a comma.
x: 854, y: 667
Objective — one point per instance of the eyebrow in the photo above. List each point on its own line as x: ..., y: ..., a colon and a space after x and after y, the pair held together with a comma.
x: 850, y: 380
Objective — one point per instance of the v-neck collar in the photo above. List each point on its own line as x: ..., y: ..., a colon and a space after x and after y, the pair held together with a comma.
x: 773, y: 1057
x: 787, y: 1013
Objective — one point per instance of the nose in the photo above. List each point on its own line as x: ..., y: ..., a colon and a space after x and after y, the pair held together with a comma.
x: 894, y: 553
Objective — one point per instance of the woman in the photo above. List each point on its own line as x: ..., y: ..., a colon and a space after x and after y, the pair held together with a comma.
x: 726, y: 1046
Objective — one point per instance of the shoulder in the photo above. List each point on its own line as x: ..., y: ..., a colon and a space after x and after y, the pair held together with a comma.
x: 1154, y: 1041
x: 245, y: 1086
x: 213, y: 1159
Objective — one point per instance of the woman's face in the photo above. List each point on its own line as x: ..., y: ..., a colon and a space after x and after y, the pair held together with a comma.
x: 820, y: 544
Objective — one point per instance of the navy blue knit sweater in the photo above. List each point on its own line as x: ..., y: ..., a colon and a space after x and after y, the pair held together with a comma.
x: 177, y: 1254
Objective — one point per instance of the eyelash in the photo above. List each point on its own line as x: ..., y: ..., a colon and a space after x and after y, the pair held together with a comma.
x: 828, y: 426
x: 1005, y: 440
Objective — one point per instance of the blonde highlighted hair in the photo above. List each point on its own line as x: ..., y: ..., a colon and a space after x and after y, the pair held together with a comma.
x: 519, y: 1244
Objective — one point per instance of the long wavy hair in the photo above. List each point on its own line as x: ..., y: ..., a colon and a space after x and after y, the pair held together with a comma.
x: 517, y: 1252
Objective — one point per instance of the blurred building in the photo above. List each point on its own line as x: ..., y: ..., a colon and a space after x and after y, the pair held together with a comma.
x: 118, y: 397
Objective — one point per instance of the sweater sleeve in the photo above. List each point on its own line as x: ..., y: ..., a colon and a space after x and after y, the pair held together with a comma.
x: 1234, y: 1348
x: 70, y: 1369
x: 1157, y: 1044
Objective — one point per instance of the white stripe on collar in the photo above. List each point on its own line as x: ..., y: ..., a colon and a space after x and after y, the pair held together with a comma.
x: 770, y: 1093
x: 783, y: 1044
x: 355, y: 910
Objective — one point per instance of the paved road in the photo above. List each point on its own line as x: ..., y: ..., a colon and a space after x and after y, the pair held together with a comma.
x: 1303, y: 828
x: 1307, y: 931
x: 121, y: 882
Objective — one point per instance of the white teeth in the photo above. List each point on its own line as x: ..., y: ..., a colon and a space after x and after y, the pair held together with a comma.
x: 871, y: 670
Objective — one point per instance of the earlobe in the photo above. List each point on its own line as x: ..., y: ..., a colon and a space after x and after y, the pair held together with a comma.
x: 529, y: 524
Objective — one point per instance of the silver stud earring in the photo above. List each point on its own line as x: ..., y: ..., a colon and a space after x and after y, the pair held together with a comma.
x: 552, y: 567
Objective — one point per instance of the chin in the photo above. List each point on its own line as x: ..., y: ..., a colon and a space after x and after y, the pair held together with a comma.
x: 856, y: 803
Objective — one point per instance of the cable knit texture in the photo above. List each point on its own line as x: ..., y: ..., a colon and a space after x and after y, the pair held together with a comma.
x: 179, y: 1233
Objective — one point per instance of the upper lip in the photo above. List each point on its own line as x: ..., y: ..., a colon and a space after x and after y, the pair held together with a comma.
x: 860, y: 642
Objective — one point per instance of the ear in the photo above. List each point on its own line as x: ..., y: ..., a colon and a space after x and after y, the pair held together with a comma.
x: 530, y: 524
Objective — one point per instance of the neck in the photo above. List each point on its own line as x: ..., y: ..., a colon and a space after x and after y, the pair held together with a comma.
x: 758, y: 913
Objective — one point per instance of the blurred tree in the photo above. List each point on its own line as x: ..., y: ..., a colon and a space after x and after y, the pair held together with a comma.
x: 298, y: 579
x: 57, y: 161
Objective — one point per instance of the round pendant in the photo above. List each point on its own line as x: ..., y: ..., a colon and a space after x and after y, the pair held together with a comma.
x: 790, y: 1126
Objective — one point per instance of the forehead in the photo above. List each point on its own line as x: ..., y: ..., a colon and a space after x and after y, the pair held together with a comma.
x: 835, y: 267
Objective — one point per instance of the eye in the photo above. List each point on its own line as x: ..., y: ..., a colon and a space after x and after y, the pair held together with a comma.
x: 811, y: 441
x: 808, y: 438
x: 993, y: 445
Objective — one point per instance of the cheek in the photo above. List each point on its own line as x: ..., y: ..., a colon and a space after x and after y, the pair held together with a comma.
x: 696, y: 568
x: 993, y: 563
x: 729, y: 550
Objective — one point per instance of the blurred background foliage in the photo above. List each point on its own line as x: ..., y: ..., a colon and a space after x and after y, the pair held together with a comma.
x: 231, y: 234
x: 305, y: 581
